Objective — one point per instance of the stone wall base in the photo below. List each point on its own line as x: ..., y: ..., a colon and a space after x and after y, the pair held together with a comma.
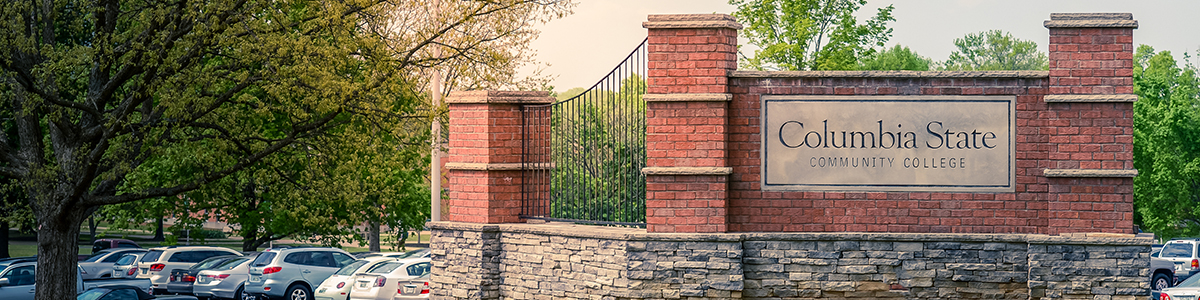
x: 564, y: 261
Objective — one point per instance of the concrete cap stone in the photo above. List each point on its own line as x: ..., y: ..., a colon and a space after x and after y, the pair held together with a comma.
x: 509, y: 97
x: 1091, y: 20
x: 687, y: 21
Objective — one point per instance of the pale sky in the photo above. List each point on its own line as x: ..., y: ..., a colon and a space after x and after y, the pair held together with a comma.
x: 583, y: 47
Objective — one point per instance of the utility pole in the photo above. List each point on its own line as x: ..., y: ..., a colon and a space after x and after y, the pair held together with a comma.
x: 435, y: 136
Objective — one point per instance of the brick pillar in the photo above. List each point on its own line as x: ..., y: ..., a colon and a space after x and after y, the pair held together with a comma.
x: 1089, y: 121
x: 687, y: 103
x: 486, y: 149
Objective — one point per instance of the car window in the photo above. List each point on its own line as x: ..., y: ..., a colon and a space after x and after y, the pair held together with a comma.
x: 1177, y: 250
x: 230, y: 264
x: 385, y: 268
x: 209, y: 263
x: 152, y: 256
x: 113, y: 258
x: 350, y: 268
x: 418, y: 269
x: 126, y: 260
x: 121, y: 294
x: 22, y: 275
x: 92, y: 294
x: 299, y: 258
x: 323, y: 259
x: 263, y: 259
x: 342, y: 259
x: 126, y: 245
x: 95, y: 257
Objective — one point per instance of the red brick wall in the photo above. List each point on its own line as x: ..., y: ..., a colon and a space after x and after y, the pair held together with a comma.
x: 1078, y: 204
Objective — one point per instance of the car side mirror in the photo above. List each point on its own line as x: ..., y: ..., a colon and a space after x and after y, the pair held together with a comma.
x: 4, y: 282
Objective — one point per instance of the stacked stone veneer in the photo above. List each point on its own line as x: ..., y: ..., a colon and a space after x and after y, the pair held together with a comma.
x: 547, y: 261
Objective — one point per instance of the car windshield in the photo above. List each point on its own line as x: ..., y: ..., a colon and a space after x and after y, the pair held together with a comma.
x: 1177, y: 250
x: 209, y: 263
x: 1191, y: 282
x: 350, y: 268
x: 127, y: 259
x: 385, y: 268
x: 151, y: 256
x: 263, y: 259
x: 414, y: 253
x: 95, y: 257
x: 232, y: 263
x: 92, y: 294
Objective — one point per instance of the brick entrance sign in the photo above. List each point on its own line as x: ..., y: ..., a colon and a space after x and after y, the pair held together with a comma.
x: 824, y: 184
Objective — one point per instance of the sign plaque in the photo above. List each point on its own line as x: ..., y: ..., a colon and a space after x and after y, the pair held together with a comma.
x: 888, y: 143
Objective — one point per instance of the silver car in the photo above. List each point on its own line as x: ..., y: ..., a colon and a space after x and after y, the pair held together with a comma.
x: 291, y: 273
x: 223, y: 281
x: 100, y: 265
x: 126, y: 266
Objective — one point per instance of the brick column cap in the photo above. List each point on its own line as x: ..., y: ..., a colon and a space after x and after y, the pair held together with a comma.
x: 681, y: 21
x: 508, y: 97
x: 1091, y: 20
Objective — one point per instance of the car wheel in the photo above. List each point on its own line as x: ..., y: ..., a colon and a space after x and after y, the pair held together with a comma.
x: 238, y: 294
x: 1160, y: 281
x: 299, y: 292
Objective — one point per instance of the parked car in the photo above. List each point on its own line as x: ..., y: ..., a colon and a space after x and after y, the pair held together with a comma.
x: 420, y: 253
x: 337, y: 286
x: 18, y: 280
x: 414, y: 289
x: 291, y: 273
x: 124, y: 292
x: 181, y: 280
x: 1183, y: 254
x: 126, y: 266
x: 102, y: 244
x: 383, y: 281
x: 1188, y: 289
x: 158, y: 263
x: 1162, y: 273
x: 100, y: 265
x: 224, y: 281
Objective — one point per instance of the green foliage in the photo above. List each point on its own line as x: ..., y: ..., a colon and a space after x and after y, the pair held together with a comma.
x: 810, y: 34
x: 994, y: 50
x: 896, y: 58
x: 1166, y: 139
x: 599, y: 150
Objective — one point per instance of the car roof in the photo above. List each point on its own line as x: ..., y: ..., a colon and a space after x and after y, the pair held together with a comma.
x: 189, y: 248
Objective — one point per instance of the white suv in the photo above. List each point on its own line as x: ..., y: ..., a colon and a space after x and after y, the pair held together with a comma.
x: 1183, y: 253
x: 292, y: 273
x: 158, y: 263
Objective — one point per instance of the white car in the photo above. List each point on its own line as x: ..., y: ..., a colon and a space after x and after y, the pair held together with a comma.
x: 1187, y: 290
x: 100, y: 265
x: 158, y: 263
x: 383, y: 281
x: 126, y: 266
x: 414, y: 289
x: 337, y: 286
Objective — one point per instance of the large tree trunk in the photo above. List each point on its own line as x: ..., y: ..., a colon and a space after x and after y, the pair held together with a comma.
x: 4, y: 239
x: 374, y: 236
x: 57, y: 254
x: 158, y: 231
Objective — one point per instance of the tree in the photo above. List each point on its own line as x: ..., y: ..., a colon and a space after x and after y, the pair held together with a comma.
x: 994, y: 50
x: 810, y: 34
x: 896, y: 58
x: 1166, y: 152
x: 101, y: 88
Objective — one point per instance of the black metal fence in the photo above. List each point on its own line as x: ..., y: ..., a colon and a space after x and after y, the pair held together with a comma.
x: 587, y: 152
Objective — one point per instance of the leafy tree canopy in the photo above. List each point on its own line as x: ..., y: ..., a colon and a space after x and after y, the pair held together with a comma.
x: 896, y: 58
x: 994, y: 50
x: 1166, y: 140
x: 810, y: 34
x: 117, y: 101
